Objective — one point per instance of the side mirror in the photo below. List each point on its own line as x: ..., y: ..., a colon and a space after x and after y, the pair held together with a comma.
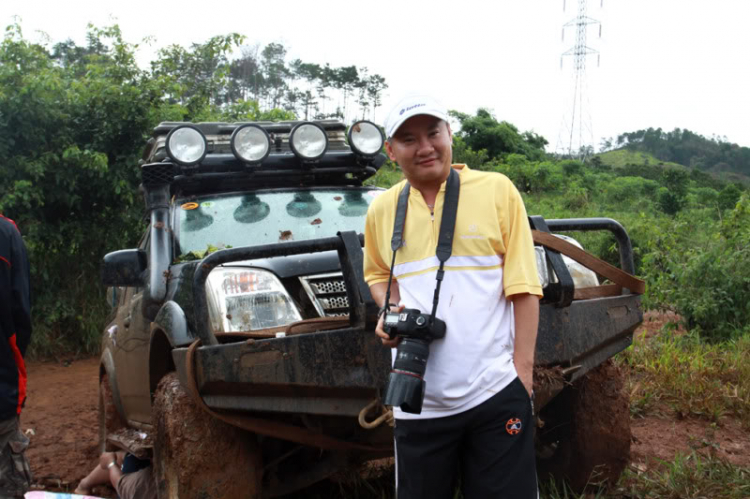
x: 125, y: 268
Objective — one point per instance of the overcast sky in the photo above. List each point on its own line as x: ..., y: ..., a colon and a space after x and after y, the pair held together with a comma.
x: 664, y: 63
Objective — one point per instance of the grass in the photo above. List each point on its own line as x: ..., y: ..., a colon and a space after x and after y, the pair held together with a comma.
x: 622, y: 157
x: 686, y: 477
x: 693, y: 378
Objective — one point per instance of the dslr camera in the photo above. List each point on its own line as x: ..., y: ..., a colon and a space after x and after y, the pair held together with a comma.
x: 406, y: 385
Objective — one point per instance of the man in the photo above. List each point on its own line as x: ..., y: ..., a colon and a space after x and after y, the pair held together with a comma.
x: 477, y: 411
x: 131, y: 477
x: 15, y: 334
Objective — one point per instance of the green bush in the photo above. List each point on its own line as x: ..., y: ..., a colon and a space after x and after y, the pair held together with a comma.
x: 707, y: 284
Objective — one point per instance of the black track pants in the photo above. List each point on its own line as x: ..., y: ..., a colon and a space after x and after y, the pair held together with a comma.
x: 492, y: 444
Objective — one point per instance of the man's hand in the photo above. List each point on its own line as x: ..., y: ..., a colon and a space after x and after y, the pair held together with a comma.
x: 387, y: 341
x: 378, y: 294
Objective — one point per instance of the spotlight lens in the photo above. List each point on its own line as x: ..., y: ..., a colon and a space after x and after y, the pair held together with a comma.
x: 366, y: 138
x: 251, y: 144
x: 186, y: 145
x: 309, y: 141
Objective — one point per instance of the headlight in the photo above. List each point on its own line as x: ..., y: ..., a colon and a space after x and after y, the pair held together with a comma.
x: 251, y: 144
x: 308, y: 141
x: 186, y: 145
x: 247, y: 300
x: 366, y: 138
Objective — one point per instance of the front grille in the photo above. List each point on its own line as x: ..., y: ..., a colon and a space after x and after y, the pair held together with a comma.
x: 327, y: 292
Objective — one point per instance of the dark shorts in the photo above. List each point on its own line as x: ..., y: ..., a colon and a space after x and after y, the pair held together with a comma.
x: 15, y: 474
x: 490, y: 446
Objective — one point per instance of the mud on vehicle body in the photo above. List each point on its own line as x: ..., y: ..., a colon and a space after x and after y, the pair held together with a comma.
x: 242, y: 353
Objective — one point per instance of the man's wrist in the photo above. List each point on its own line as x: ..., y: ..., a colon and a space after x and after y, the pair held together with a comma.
x: 524, y: 364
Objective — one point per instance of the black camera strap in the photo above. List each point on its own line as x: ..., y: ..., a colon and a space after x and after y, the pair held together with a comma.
x: 445, y: 236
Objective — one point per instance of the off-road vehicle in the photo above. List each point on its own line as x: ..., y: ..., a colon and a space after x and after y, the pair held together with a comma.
x: 241, y: 356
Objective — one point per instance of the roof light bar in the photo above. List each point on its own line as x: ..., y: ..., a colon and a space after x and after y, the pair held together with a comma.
x: 186, y: 145
x: 308, y: 141
x: 366, y: 138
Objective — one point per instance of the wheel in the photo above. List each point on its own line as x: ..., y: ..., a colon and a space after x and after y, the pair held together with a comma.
x: 586, y: 432
x: 197, y: 455
x: 109, y: 419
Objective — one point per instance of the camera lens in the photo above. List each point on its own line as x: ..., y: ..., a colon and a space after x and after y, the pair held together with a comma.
x: 411, y: 357
x: 406, y: 384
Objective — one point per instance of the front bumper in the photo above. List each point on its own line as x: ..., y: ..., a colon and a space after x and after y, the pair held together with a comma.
x: 333, y: 373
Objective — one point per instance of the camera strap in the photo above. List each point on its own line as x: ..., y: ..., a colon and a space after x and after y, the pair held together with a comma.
x: 445, y: 236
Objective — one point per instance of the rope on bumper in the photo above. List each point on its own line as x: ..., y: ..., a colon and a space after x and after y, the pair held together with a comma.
x: 385, y: 417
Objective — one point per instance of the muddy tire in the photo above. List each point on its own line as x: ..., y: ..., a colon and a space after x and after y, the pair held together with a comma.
x: 588, y: 428
x: 198, y: 456
x: 109, y: 419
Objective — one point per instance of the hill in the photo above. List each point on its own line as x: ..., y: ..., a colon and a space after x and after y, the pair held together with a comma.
x: 621, y: 158
x: 721, y: 159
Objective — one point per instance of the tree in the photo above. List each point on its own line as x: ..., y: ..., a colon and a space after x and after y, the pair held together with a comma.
x: 483, y: 131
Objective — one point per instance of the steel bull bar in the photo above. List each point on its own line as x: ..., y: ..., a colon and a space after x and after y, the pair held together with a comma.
x: 334, y: 372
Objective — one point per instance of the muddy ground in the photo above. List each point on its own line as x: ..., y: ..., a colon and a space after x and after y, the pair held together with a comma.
x: 61, y: 420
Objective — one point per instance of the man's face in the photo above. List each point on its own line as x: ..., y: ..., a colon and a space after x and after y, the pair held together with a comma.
x: 422, y: 148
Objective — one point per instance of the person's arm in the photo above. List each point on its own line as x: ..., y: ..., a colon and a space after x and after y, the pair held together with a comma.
x: 108, y: 462
x: 378, y: 292
x: 526, y: 316
x: 20, y: 292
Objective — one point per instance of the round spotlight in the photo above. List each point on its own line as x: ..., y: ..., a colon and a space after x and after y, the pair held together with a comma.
x: 308, y: 141
x: 186, y: 145
x: 251, y: 144
x: 366, y: 138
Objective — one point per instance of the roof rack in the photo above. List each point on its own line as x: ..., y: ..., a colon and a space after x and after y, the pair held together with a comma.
x: 220, y: 165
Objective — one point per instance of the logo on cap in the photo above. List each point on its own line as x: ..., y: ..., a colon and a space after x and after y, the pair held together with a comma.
x: 410, y: 108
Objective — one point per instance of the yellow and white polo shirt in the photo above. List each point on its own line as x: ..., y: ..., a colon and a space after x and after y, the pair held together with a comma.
x: 493, y: 258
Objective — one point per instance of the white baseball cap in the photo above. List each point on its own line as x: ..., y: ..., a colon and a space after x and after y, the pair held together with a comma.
x: 412, y: 105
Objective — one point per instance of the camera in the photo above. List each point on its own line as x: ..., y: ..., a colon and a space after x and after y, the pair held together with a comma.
x: 406, y: 385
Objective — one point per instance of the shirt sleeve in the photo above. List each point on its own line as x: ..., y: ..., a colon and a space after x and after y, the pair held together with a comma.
x: 520, y: 273
x: 376, y: 270
x: 20, y: 292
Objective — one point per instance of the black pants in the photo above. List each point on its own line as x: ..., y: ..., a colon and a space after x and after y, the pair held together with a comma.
x: 492, y: 445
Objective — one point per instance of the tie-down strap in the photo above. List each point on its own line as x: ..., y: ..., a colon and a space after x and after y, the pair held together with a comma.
x: 620, y: 278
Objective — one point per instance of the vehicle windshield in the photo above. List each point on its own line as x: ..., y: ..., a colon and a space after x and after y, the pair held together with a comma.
x: 251, y: 219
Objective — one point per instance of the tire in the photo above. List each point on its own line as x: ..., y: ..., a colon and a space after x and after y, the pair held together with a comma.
x: 198, y: 456
x: 588, y: 426
x: 109, y: 419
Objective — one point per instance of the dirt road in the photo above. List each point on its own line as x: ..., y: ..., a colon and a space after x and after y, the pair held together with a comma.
x: 62, y: 412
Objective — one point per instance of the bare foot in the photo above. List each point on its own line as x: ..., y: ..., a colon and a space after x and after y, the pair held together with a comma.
x: 81, y: 490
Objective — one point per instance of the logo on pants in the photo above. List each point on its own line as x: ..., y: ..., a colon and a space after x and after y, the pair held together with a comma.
x: 513, y: 426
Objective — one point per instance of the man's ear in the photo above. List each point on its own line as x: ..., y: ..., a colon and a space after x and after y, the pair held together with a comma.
x: 450, y: 133
x: 389, y: 150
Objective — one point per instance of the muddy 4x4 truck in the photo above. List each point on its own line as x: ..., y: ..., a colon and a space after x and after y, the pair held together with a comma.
x: 241, y: 355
